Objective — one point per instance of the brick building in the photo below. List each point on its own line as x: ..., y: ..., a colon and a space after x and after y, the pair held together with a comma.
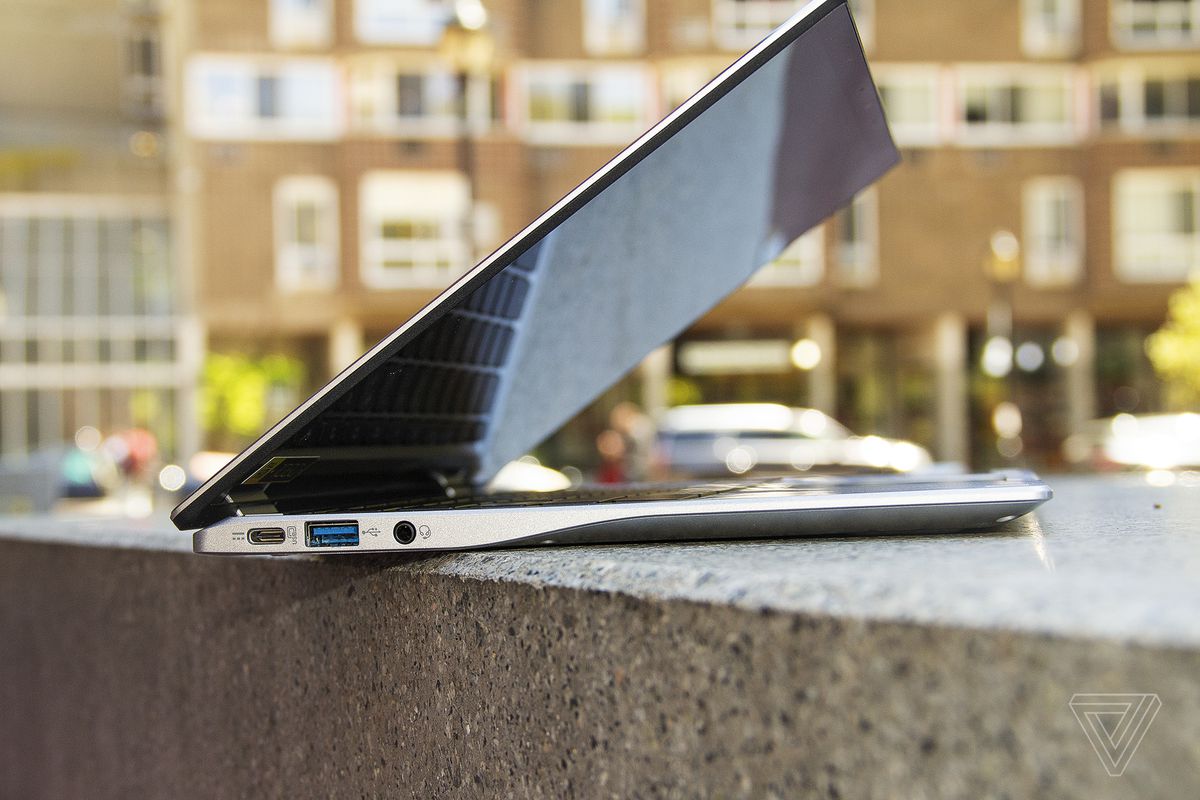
x: 324, y: 192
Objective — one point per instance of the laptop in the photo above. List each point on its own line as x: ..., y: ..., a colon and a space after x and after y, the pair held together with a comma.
x: 396, y: 452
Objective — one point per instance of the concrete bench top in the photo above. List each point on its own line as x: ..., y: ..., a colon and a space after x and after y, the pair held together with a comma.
x: 897, y: 666
x: 1108, y: 557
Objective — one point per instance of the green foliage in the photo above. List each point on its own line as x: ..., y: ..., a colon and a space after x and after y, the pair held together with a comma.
x: 242, y: 395
x: 682, y: 392
x: 1175, y: 348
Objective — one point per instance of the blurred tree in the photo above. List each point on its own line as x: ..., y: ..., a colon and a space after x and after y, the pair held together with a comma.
x: 682, y: 392
x: 242, y: 395
x: 1175, y: 348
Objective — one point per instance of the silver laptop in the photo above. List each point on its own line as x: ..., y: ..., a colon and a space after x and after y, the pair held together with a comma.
x: 395, y: 452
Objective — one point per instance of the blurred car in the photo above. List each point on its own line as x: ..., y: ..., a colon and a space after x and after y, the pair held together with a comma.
x: 1145, y: 441
x: 741, y: 438
x: 36, y: 483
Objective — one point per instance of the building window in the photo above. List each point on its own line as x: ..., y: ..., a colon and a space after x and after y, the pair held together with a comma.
x: 143, y: 85
x: 1050, y: 27
x: 1108, y: 103
x: 683, y: 79
x: 426, y: 96
x: 91, y: 334
x: 1152, y: 24
x: 413, y: 228
x: 1053, y: 231
x: 802, y: 263
x: 565, y: 105
x: 1149, y: 101
x: 1035, y: 107
x: 858, y: 242
x: 614, y: 27
x: 910, y: 98
x: 230, y: 97
x: 1157, y: 225
x: 410, y: 22
x: 1171, y: 100
x: 301, y: 23
x: 306, y: 233
x: 739, y: 24
x: 864, y: 18
x: 412, y: 100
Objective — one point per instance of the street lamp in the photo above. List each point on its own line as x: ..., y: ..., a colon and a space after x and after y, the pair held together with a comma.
x: 1003, y: 267
x: 467, y: 45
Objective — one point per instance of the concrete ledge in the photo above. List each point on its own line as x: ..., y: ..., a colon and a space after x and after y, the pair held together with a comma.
x: 903, y: 666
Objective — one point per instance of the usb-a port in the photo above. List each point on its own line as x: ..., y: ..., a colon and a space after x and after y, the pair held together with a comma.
x: 331, y: 534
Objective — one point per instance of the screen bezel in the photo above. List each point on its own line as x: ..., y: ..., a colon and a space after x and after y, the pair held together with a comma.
x: 210, y: 502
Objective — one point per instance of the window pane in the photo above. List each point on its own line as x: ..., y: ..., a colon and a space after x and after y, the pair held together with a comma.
x: 268, y: 96
x: 410, y: 95
x: 1110, y: 102
x: 1155, y: 99
x: 306, y: 223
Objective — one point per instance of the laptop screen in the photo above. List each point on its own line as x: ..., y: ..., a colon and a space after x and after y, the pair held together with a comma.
x: 645, y: 247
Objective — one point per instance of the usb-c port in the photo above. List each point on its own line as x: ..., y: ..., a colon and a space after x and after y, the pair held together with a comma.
x: 266, y: 536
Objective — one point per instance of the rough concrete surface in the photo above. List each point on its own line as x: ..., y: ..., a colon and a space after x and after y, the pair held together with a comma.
x: 154, y: 673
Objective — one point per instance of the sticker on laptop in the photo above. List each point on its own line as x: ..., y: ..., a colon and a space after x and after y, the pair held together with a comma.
x: 280, y: 469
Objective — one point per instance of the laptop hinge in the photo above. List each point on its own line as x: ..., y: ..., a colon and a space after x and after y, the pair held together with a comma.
x: 312, y: 494
x: 251, y: 500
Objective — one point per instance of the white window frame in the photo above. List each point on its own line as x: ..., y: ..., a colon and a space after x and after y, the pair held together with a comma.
x: 1020, y: 133
x: 143, y: 92
x: 1047, y: 266
x: 740, y: 24
x: 387, y: 22
x: 1130, y: 81
x: 680, y: 79
x: 293, y: 27
x: 579, y: 132
x: 301, y: 266
x: 1130, y: 248
x: 930, y: 77
x: 864, y: 19
x: 238, y: 116
x: 802, y: 263
x: 858, y: 261
x: 374, y: 100
x: 1058, y: 39
x: 1168, y: 19
x: 412, y: 194
x: 605, y: 34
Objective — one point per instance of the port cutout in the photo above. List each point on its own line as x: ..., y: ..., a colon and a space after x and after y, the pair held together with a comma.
x: 331, y: 534
x: 266, y: 536
x: 405, y: 532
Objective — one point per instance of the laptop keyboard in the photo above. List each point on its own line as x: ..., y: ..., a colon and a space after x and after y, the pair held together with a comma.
x: 743, y: 487
x: 574, y: 497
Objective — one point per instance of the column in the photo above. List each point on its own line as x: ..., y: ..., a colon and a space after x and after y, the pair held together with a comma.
x: 192, y: 344
x: 950, y: 370
x: 656, y: 381
x: 822, y: 379
x: 345, y: 344
x: 1076, y: 352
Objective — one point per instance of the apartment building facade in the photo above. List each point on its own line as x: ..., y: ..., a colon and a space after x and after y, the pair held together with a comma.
x: 329, y: 192
x: 94, y: 330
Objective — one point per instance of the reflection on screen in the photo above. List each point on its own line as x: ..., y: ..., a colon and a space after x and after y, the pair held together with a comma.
x: 626, y: 272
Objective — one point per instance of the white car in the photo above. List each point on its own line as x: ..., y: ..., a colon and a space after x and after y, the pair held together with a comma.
x: 1146, y: 441
x: 738, y: 438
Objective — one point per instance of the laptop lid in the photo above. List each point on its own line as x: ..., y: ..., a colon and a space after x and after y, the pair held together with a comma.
x: 625, y: 262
